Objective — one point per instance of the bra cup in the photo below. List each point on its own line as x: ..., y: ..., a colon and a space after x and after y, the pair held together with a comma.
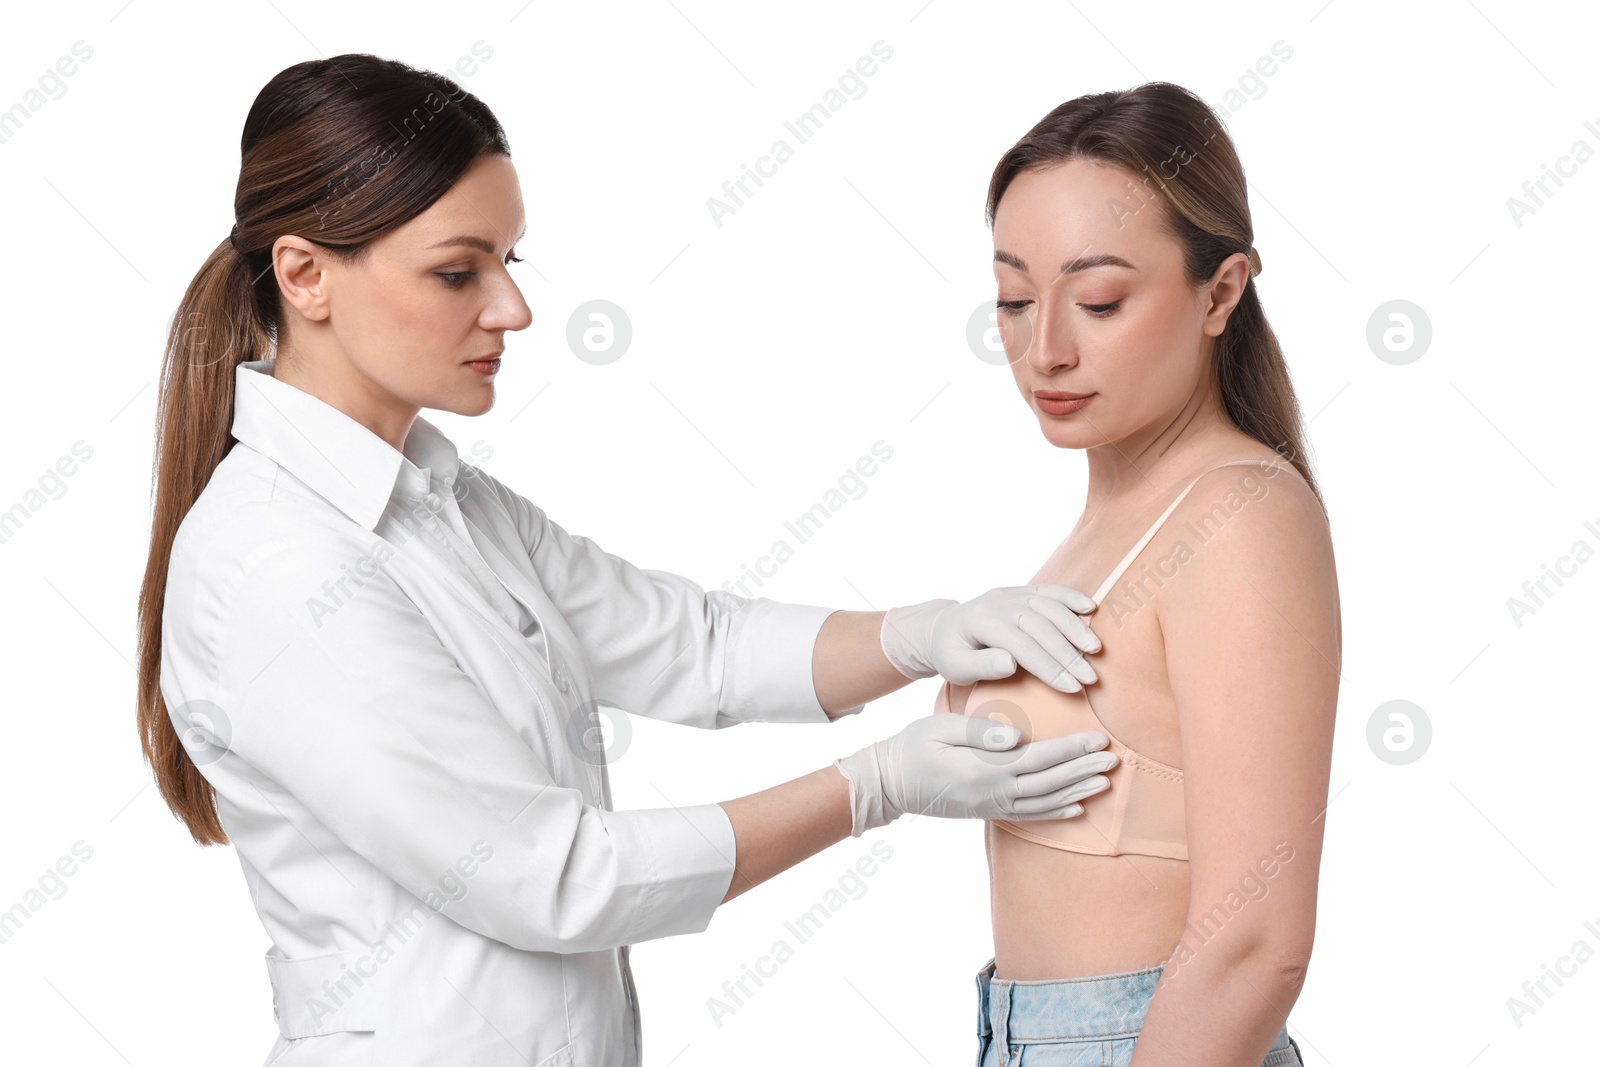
x: 1141, y: 811
x: 1032, y: 706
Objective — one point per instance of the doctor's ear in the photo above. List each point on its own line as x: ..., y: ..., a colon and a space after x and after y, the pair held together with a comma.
x: 1223, y: 293
x: 301, y: 269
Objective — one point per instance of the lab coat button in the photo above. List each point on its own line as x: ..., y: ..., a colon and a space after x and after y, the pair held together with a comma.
x: 561, y: 679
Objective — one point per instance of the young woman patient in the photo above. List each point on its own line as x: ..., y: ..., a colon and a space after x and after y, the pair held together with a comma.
x: 1178, y: 908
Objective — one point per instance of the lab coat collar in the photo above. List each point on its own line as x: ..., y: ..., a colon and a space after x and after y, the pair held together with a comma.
x: 341, y: 460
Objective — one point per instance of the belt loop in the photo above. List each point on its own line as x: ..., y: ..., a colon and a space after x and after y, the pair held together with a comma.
x: 1000, y: 1015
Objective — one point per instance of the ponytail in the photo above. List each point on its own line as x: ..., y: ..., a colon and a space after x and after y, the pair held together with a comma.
x: 216, y: 328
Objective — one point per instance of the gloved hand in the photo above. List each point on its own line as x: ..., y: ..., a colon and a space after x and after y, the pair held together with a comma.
x: 971, y: 767
x: 1036, y: 626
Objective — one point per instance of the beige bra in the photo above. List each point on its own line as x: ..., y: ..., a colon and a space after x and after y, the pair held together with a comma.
x: 1141, y: 813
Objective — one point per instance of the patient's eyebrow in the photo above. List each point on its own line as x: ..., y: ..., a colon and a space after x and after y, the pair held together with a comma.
x: 1104, y: 259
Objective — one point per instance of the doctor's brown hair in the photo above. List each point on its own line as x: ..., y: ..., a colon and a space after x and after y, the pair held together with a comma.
x: 338, y: 151
x: 1172, y: 142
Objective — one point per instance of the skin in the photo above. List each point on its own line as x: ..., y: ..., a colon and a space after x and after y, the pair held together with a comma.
x: 1245, y: 707
x: 383, y: 338
x: 403, y: 334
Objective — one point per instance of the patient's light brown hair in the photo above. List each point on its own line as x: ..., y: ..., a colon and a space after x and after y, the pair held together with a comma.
x: 1175, y: 142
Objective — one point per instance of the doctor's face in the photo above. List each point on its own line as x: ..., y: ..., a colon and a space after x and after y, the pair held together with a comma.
x: 399, y: 329
x: 1094, y: 301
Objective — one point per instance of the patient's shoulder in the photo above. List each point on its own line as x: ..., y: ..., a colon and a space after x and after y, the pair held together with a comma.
x: 1254, y: 539
x: 1253, y: 504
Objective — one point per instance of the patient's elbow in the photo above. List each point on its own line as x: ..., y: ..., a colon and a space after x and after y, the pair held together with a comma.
x: 1291, y: 968
x: 1268, y: 957
x: 1281, y: 962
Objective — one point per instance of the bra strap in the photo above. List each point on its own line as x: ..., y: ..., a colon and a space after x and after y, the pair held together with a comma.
x: 1133, y: 552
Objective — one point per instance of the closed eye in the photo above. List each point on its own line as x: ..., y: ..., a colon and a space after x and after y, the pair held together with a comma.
x: 1099, y: 311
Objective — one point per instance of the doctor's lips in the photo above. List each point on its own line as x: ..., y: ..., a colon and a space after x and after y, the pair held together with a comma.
x: 1056, y: 402
x: 487, y: 364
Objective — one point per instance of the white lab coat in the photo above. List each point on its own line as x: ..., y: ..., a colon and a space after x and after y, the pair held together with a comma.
x: 386, y: 665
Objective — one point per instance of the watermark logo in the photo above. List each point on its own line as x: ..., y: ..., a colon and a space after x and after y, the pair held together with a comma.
x: 599, y: 332
x: 206, y: 732
x: 1399, y: 732
x: 989, y: 727
x: 1398, y: 332
x: 597, y: 733
x: 985, y: 335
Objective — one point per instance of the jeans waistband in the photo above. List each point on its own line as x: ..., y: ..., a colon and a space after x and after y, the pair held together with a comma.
x: 1099, y: 1007
x: 1102, y: 1006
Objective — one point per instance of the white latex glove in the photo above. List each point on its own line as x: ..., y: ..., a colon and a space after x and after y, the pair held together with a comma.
x: 987, y: 637
x: 971, y: 767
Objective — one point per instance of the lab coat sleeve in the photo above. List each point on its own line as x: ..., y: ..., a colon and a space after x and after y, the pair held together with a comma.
x: 661, y: 646
x: 371, y: 728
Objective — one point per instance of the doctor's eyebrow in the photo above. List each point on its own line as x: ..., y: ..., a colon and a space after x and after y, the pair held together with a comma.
x: 1104, y: 259
x: 474, y: 242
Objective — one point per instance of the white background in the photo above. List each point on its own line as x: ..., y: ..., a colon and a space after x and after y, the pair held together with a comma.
x: 768, y: 355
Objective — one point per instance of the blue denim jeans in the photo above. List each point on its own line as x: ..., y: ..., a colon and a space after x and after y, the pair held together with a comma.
x: 1075, y: 1022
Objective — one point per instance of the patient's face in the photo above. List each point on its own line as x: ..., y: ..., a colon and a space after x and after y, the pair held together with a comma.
x: 1126, y: 329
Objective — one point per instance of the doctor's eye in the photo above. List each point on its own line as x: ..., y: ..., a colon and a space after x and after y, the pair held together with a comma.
x: 456, y: 279
x: 1102, y: 311
x: 1011, y: 307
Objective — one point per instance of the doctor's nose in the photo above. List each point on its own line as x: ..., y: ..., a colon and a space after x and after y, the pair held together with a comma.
x: 507, y: 311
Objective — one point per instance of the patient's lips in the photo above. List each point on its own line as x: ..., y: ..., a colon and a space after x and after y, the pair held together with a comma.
x: 1056, y: 402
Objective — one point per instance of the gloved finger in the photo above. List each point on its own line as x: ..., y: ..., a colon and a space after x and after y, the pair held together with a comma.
x: 1041, y: 786
x: 1086, y: 769
x: 1073, y: 626
x: 1067, y: 660
x: 1042, y: 808
x: 1048, y: 804
x: 1075, y: 599
x: 1050, y: 751
x: 999, y: 631
x: 965, y: 666
x: 969, y: 731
